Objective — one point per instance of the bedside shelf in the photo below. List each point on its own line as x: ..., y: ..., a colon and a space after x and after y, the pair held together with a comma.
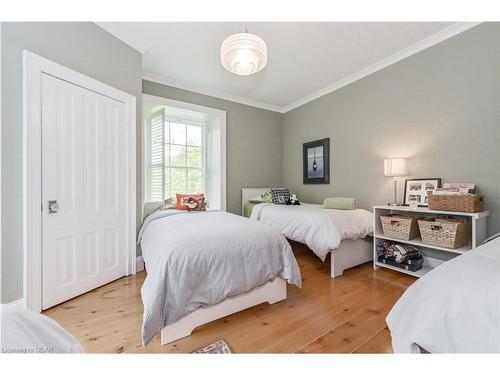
x: 418, y: 242
x: 425, y: 210
x: 421, y: 272
x: 478, y: 235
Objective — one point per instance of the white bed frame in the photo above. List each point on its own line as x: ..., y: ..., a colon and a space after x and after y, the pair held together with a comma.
x: 271, y: 292
x: 350, y: 253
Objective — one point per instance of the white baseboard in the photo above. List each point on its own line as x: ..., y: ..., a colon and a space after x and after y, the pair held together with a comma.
x: 17, y: 303
x: 139, y: 267
x: 139, y: 264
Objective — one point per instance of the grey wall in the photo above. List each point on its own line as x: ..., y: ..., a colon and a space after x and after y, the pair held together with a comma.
x: 439, y: 108
x: 83, y: 47
x: 254, y: 141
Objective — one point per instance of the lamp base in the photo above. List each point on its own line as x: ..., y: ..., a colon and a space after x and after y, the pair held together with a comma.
x: 392, y: 204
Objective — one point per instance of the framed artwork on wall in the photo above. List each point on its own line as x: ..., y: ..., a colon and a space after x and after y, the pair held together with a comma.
x: 417, y: 190
x: 316, y: 161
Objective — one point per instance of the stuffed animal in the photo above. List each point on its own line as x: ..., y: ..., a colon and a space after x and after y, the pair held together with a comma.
x: 201, y: 204
x: 169, y: 203
x: 196, y: 204
x: 191, y: 203
x: 293, y: 200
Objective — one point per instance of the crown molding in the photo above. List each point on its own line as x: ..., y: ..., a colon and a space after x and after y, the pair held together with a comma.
x: 216, y: 94
x: 421, y: 45
x: 430, y: 41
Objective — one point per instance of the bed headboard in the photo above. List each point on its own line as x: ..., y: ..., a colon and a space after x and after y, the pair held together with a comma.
x: 248, y: 193
x: 150, y: 207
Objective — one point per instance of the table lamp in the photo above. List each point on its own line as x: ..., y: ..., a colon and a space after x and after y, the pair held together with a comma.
x: 395, y: 168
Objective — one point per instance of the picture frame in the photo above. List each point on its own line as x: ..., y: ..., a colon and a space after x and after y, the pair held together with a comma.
x: 316, y: 161
x: 417, y: 189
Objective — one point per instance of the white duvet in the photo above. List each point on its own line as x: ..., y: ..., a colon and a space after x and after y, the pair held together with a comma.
x: 26, y: 331
x: 319, y: 228
x: 197, y: 259
x: 452, y: 309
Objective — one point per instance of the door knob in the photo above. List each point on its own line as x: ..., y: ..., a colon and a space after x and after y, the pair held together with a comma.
x: 53, y: 207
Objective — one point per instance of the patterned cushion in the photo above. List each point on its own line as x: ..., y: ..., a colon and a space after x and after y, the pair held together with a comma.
x: 267, y: 197
x: 280, y: 195
x: 182, y: 199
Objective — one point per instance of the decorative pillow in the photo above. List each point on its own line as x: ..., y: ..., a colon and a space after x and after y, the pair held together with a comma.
x: 280, y: 195
x: 340, y: 203
x: 168, y: 203
x: 183, y: 198
x: 267, y: 197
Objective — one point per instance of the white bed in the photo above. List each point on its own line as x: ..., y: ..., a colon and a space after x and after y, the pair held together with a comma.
x: 345, y: 234
x: 455, y: 308
x: 205, y: 265
x: 26, y: 331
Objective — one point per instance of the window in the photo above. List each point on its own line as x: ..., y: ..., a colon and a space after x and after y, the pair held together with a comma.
x: 183, y: 152
x: 177, y: 156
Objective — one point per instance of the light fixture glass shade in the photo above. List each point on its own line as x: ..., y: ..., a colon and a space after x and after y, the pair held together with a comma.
x: 243, y: 54
x: 395, y: 167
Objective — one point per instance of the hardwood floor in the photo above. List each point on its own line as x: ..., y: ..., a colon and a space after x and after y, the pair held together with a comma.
x: 342, y: 315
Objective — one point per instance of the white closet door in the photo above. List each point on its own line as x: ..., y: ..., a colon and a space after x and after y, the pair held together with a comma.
x: 83, y: 190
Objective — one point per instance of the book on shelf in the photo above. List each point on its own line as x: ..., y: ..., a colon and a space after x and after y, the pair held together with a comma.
x: 453, y: 188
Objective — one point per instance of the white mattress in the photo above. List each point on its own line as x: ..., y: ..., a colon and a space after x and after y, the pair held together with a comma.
x: 319, y: 228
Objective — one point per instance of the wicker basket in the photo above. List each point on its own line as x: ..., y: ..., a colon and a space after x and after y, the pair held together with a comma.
x: 444, y: 233
x: 400, y: 227
x: 457, y: 203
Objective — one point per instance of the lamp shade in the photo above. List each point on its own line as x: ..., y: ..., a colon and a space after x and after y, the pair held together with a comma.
x: 243, y: 54
x: 395, y: 167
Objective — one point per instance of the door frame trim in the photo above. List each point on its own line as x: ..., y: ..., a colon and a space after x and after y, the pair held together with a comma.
x: 33, y: 67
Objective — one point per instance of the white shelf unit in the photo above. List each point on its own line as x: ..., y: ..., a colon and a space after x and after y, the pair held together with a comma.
x: 478, y: 235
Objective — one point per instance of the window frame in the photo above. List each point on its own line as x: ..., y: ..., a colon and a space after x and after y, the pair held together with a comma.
x: 203, y: 147
x: 219, y: 114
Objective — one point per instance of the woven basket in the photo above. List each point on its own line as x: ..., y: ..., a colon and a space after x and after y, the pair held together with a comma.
x: 457, y: 203
x: 400, y: 227
x: 444, y: 233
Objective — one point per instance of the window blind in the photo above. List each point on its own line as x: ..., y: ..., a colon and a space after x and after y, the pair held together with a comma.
x: 157, y: 156
x: 177, y: 156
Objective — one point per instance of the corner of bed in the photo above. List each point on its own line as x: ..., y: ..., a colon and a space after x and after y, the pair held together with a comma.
x: 349, y: 253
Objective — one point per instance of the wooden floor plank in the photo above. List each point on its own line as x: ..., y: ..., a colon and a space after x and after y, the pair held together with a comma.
x: 379, y: 343
x: 285, y: 333
x: 355, y: 331
x: 327, y: 315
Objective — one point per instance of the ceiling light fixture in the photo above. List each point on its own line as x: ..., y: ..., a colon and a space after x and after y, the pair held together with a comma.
x: 243, y: 53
